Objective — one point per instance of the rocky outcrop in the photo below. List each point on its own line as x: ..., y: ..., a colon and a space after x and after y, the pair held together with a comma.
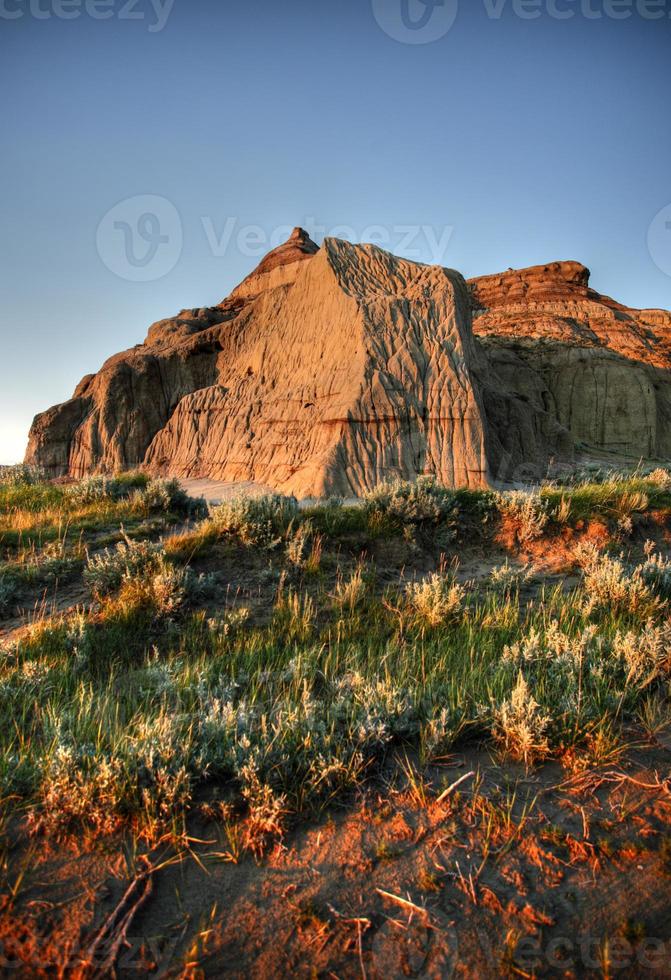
x: 599, y: 368
x: 313, y: 377
x: 329, y: 370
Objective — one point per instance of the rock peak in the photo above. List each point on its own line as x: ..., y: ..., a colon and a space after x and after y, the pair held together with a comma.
x: 301, y: 235
x: 297, y: 248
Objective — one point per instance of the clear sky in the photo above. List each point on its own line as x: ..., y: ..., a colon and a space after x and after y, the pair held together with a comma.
x: 521, y: 133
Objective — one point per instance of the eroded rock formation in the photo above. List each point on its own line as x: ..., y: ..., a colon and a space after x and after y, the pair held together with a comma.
x: 599, y: 368
x: 329, y: 370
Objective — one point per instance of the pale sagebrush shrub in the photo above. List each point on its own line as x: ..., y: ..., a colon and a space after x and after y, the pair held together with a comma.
x: 609, y: 584
x: 646, y: 655
x: 554, y: 647
x: 157, y: 758
x: 519, y: 725
x: 105, y: 571
x: 299, y: 544
x: 656, y: 573
x: 527, y: 510
x: 22, y: 474
x: 625, y: 526
x: 96, y: 488
x: 90, y: 490
x: 506, y: 578
x: 424, y: 501
x: 660, y: 477
x: 440, y: 733
x: 166, y: 587
x: 229, y: 622
x: 562, y: 511
x: 319, y: 745
x: 77, y: 792
x: 142, y: 567
x: 438, y: 599
x: 377, y: 709
x: 256, y: 520
x: 164, y: 495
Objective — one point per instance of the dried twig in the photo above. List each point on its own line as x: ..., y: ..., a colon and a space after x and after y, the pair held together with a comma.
x: 105, y: 945
x: 450, y: 789
x: 404, y: 902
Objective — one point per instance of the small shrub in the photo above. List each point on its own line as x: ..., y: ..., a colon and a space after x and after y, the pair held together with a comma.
x: 656, y: 573
x: 527, y: 510
x: 21, y: 475
x: 77, y: 793
x: 256, y: 520
x: 423, y: 502
x: 562, y: 512
x: 166, y: 496
x: 95, y: 488
x: 519, y: 726
x: 506, y: 578
x: 105, y: 571
x: 661, y: 478
x: 646, y: 655
x: 163, y: 588
x: 438, y: 599
x: 610, y: 585
x: 90, y: 490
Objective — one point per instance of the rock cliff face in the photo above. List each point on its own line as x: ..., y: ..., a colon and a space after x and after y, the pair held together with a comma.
x: 329, y: 370
x: 326, y: 371
x: 600, y: 369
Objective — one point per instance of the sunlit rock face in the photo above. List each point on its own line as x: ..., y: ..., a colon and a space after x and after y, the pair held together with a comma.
x: 600, y: 368
x: 331, y: 369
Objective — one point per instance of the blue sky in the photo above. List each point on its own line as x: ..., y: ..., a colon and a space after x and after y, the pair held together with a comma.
x: 512, y: 139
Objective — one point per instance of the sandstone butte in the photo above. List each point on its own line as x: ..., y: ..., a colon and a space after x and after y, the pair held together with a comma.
x: 329, y: 370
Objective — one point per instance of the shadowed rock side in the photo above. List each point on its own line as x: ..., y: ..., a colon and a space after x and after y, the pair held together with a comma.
x: 600, y: 369
x: 313, y: 377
